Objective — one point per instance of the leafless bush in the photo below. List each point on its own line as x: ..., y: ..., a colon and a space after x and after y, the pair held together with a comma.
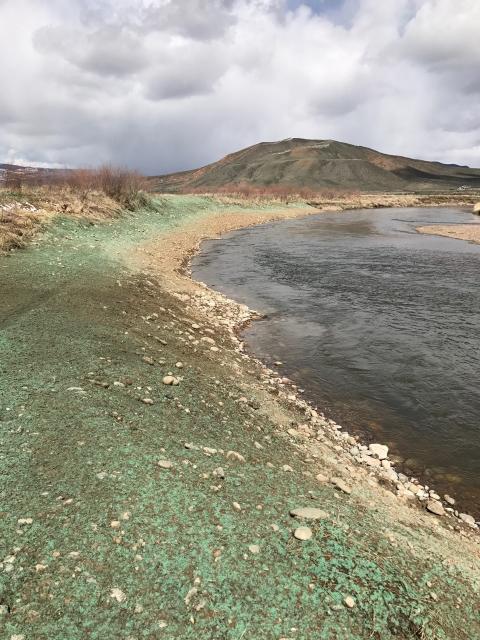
x: 122, y: 185
x: 13, y: 180
x: 280, y: 192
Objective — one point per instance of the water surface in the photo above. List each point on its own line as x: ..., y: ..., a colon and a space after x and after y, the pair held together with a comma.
x: 379, y: 324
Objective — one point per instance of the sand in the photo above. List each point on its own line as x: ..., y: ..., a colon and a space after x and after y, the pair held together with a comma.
x: 469, y: 232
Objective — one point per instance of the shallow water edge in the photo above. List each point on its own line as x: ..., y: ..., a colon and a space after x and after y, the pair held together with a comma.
x: 269, y: 357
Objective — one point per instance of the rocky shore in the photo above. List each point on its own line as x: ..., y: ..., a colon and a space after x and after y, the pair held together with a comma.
x: 223, y: 312
x: 364, y: 461
x: 159, y: 482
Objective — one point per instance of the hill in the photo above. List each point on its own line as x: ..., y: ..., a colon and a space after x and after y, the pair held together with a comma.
x: 16, y: 174
x: 319, y: 165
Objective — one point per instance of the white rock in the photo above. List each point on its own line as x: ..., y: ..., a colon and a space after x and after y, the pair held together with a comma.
x: 371, y: 462
x: 165, y: 464
x: 118, y: 595
x: 340, y: 484
x: 390, y: 474
x: 435, y: 507
x: 209, y: 451
x: 468, y: 519
x: 309, y: 513
x: 349, y: 602
x: 379, y: 450
x: 303, y: 533
x: 234, y: 455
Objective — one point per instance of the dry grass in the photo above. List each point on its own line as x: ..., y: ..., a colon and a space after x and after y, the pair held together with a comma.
x: 331, y: 199
x: 17, y: 227
x: 23, y: 213
x: 122, y: 185
x: 27, y: 204
x: 243, y: 191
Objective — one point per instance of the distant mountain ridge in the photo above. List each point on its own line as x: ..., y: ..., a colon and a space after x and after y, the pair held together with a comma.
x: 25, y: 174
x: 321, y: 164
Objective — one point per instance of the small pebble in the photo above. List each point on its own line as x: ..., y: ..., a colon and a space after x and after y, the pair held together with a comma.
x: 165, y: 464
x: 118, y: 595
x: 303, y: 533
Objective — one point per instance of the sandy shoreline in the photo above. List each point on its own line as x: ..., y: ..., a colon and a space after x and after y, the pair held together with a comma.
x: 172, y: 262
x: 168, y: 258
x: 469, y: 232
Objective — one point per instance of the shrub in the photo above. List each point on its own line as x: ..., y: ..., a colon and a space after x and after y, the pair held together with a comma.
x: 122, y: 185
x: 13, y: 180
x: 280, y: 192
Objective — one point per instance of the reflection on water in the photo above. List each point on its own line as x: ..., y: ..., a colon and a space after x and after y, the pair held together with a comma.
x: 379, y: 324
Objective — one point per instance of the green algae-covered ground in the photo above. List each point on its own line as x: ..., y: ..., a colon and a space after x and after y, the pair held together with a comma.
x: 99, y: 541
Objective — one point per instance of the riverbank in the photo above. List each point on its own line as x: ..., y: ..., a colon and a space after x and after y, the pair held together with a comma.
x: 172, y: 265
x: 156, y: 478
x: 468, y: 232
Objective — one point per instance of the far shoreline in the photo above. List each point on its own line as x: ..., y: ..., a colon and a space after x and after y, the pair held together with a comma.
x: 467, y: 232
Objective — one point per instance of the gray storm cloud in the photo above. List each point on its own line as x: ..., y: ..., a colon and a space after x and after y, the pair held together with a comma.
x: 162, y: 85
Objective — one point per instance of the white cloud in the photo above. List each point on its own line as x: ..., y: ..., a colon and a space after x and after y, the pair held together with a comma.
x: 162, y: 85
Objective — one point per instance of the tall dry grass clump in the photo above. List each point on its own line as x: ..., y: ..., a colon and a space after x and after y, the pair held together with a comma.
x: 122, y: 185
x: 28, y: 201
x: 17, y: 227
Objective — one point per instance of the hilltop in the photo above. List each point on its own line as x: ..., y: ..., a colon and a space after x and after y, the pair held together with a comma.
x: 320, y: 165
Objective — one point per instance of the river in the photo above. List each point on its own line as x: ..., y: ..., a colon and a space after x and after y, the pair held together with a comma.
x: 378, y: 323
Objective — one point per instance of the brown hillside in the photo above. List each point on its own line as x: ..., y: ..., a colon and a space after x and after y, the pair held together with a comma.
x: 320, y: 164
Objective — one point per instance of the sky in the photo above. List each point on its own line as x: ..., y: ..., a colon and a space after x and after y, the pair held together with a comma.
x: 165, y: 85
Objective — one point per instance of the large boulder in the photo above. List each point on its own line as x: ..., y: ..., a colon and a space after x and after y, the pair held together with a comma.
x: 476, y: 208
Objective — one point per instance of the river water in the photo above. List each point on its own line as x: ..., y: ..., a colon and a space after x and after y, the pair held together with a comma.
x: 378, y: 323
